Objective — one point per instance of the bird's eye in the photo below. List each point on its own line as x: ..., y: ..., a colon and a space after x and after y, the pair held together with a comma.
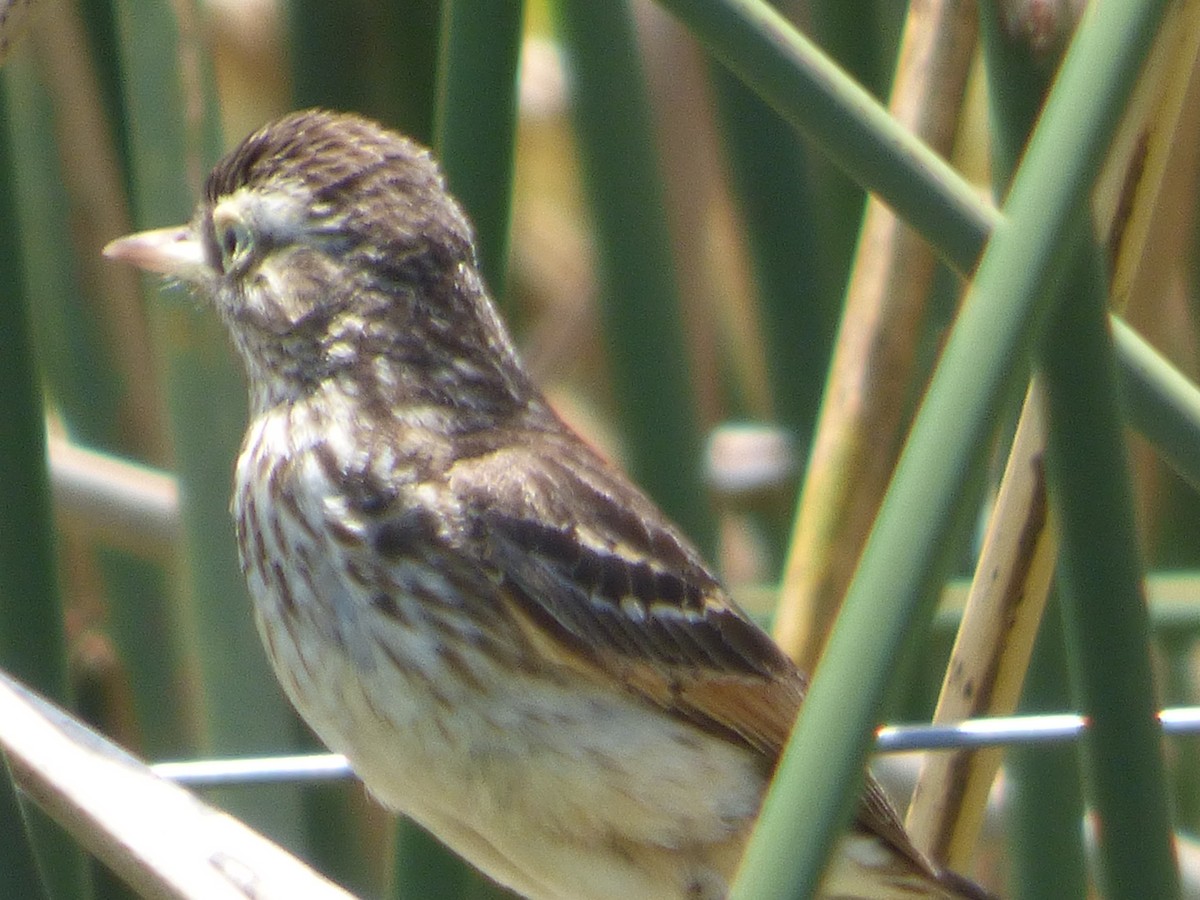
x: 235, y: 242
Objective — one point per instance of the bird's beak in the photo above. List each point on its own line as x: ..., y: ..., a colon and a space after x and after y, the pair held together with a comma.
x: 168, y: 251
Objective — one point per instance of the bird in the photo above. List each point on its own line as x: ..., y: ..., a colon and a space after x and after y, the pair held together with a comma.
x: 510, y: 643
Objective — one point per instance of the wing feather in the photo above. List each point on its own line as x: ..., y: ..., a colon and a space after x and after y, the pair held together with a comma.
x: 600, y: 581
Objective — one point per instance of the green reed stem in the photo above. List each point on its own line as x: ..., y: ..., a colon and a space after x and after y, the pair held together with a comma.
x: 476, y: 123
x: 1100, y: 579
x: 641, y: 308
x: 907, y: 554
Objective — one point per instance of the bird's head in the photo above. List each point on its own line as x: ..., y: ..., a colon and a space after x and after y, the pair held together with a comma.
x: 327, y: 244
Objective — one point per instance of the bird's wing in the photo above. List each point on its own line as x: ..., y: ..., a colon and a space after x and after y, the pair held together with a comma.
x: 600, y: 581
x: 673, y: 639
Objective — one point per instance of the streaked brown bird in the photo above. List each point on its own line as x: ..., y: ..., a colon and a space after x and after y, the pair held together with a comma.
x: 508, y: 640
